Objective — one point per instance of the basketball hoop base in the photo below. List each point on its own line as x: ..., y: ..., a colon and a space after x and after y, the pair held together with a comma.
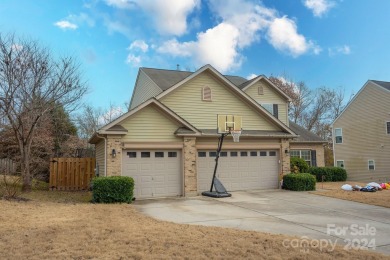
x: 216, y: 194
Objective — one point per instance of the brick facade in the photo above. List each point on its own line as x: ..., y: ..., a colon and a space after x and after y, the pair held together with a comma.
x: 189, y: 161
x: 114, y: 163
x: 285, y: 157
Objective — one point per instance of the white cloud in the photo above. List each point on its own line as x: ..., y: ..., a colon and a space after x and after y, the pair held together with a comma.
x: 170, y: 16
x: 114, y: 26
x: 138, y: 44
x: 345, y: 49
x: 283, y: 35
x: 133, y: 60
x: 251, y: 76
x: 319, y: 7
x: 122, y: 4
x: 217, y: 46
x: 63, y: 24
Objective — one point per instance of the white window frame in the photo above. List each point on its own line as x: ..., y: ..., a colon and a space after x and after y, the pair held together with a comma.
x: 342, y: 163
x: 300, y: 154
x: 387, y: 127
x: 270, y: 105
x: 368, y: 165
x: 341, y: 134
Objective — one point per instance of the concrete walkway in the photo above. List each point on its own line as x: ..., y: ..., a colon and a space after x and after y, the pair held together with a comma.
x: 350, y: 224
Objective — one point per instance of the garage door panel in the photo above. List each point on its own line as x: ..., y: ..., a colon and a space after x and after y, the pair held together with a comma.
x: 155, y: 174
x: 247, y: 170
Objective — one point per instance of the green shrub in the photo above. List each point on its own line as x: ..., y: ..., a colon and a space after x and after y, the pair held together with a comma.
x: 112, y: 189
x: 329, y: 173
x: 299, y: 182
x: 298, y: 165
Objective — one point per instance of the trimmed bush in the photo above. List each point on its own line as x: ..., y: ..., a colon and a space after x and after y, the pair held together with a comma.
x: 299, y: 182
x: 329, y: 173
x: 298, y: 165
x: 112, y: 189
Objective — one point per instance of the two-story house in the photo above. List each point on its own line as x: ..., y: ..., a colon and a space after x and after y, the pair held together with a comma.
x: 167, y: 140
x: 361, y: 134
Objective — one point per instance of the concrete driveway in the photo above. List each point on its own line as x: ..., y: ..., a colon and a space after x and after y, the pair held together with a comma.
x: 300, y: 214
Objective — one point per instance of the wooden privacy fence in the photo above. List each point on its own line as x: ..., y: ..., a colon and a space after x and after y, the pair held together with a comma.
x: 7, y: 166
x: 71, y: 173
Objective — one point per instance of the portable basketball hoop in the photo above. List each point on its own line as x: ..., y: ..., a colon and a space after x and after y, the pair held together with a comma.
x: 226, y: 124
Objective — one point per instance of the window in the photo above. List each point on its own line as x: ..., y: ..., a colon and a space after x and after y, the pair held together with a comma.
x: 212, y: 154
x: 304, y: 154
x: 172, y: 154
x: 371, y: 164
x: 159, y: 154
x: 253, y: 153
x: 260, y: 90
x: 132, y: 154
x: 272, y: 153
x: 338, y: 133
x: 340, y: 163
x: 223, y: 154
x: 243, y: 154
x: 145, y: 154
x: 388, y: 128
x: 201, y: 154
x: 263, y: 153
x: 272, y: 108
x: 233, y: 154
x: 206, y: 94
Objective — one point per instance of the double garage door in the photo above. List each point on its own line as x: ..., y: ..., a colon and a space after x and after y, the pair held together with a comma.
x: 157, y: 173
x: 239, y: 169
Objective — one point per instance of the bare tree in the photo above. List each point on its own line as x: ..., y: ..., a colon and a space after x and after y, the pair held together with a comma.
x: 32, y: 83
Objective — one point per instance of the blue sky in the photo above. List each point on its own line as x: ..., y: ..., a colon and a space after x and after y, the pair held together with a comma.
x: 333, y: 43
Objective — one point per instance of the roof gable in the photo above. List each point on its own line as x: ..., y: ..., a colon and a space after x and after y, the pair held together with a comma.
x: 253, y: 81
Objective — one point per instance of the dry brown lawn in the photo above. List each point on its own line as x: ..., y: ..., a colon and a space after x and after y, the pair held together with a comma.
x: 333, y: 189
x: 62, y: 225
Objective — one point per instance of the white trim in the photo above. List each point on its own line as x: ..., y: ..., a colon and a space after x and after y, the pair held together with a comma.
x: 368, y: 165
x: 269, y: 82
x: 335, y: 136
x: 342, y: 162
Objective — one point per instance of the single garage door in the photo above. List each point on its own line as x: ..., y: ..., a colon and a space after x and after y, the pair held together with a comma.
x: 156, y: 173
x: 239, y: 170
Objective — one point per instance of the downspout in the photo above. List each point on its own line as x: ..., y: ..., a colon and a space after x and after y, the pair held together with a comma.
x: 105, y: 153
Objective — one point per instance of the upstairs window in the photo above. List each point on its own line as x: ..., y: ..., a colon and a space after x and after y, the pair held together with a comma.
x: 272, y: 108
x: 388, y: 128
x: 206, y: 94
x: 371, y: 164
x: 338, y: 133
x: 260, y: 90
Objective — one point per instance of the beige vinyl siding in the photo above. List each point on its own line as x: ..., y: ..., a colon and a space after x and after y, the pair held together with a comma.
x: 100, y: 157
x: 150, y: 124
x: 145, y: 89
x: 187, y: 102
x: 363, y: 126
x: 270, y: 96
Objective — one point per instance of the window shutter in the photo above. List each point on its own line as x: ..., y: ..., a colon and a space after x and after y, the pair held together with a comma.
x: 206, y: 94
x: 276, y: 111
x: 314, y: 158
x: 388, y: 127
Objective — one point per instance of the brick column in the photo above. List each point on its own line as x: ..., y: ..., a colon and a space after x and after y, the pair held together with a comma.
x: 285, y: 157
x: 189, y: 160
x: 114, y: 163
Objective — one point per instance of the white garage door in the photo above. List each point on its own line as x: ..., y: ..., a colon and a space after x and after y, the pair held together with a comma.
x: 156, y: 173
x: 239, y: 170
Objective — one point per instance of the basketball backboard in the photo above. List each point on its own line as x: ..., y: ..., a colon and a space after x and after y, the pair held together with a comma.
x: 228, y: 123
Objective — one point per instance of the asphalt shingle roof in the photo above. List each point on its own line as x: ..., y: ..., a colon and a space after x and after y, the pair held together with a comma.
x: 167, y: 78
x: 304, y: 135
x: 383, y: 84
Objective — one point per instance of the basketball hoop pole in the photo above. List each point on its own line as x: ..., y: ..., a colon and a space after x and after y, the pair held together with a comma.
x: 220, y: 142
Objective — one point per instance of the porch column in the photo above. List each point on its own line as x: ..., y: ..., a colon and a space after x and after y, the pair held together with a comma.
x: 189, y: 161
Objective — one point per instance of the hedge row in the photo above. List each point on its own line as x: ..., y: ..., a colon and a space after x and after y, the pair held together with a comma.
x: 112, y: 189
x: 299, y: 182
x: 329, y: 173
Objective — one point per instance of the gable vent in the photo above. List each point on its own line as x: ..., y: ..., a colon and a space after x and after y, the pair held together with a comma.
x: 206, y: 94
x: 260, y: 90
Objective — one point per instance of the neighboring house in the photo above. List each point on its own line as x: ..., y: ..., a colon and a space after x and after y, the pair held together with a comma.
x: 167, y: 141
x: 361, y: 134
